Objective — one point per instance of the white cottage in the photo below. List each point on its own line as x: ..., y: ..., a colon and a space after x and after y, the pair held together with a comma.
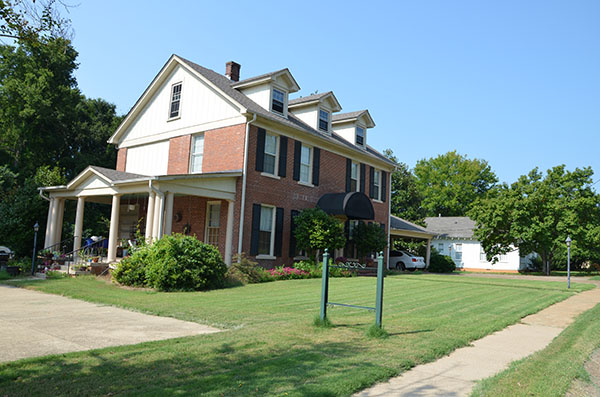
x: 454, y: 237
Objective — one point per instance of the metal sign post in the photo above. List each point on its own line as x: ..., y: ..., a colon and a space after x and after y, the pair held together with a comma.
x: 378, y: 309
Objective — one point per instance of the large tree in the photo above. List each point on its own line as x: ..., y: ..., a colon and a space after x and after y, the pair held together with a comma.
x: 450, y: 183
x: 406, y: 197
x: 315, y: 231
x: 537, y: 213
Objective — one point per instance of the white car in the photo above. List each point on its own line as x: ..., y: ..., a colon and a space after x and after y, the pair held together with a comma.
x: 403, y: 260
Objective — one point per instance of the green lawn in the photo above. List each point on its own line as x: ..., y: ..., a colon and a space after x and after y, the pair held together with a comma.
x: 270, y: 346
x: 595, y: 278
x: 549, y: 372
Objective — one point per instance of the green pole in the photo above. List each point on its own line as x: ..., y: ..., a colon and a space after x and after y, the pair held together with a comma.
x: 324, y: 285
x: 379, y: 298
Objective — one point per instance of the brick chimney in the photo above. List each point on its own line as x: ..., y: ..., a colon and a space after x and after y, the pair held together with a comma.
x: 232, y: 71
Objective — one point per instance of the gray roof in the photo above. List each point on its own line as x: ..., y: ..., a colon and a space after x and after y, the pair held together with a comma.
x: 310, y: 98
x: 255, y: 78
x: 115, y: 176
x: 451, y: 226
x: 347, y: 116
x: 224, y: 84
x: 402, y: 224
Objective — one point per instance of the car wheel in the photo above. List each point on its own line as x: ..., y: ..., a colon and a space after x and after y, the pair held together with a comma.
x: 402, y: 267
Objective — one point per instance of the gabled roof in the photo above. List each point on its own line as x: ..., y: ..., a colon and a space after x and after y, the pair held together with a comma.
x: 294, y: 87
x: 352, y: 116
x: 402, y: 224
x: 106, y: 174
x: 317, y: 98
x: 451, y: 226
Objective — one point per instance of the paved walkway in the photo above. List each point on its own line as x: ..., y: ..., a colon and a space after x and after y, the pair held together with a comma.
x: 456, y: 374
x: 37, y: 324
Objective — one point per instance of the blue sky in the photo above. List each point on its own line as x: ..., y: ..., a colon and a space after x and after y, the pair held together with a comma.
x: 516, y: 83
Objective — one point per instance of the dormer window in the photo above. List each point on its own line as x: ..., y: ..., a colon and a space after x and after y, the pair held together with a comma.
x: 175, y: 100
x: 277, y: 101
x: 360, y: 136
x: 323, y: 120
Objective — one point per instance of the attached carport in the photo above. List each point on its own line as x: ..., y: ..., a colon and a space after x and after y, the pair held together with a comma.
x: 401, y: 228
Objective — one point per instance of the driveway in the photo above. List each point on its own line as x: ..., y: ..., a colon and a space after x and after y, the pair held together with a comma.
x: 36, y: 324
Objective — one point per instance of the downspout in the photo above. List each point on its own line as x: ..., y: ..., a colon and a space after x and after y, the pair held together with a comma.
x: 244, y: 177
x: 162, y: 206
x: 42, y: 195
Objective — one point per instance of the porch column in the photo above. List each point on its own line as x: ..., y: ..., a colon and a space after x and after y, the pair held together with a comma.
x: 54, y: 222
x: 428, y: 252
x: 113, y: 236
x: 169, y: 213
x: 59, y: 222
x: 77, y: 234
x: 229, y: 233
x: 48, y: 238
x: 158, y: 218
x: 150, y: 216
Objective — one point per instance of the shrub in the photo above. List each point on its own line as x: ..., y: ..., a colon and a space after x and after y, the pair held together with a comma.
x: 180, y: 262
x: 24, y: 265
x: 245, y: 271
x: 4, y: 275
x: 288, y: 273
x: 132, y: 269
x: 441, y: 263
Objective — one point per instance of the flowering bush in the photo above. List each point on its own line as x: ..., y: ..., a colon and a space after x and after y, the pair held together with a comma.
x: 288, y: 273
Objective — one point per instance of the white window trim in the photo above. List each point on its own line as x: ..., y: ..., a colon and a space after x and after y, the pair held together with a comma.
x: 364, y: 136
x: 276, y: 167
x: 328, y: 120
x: 357, y: 175
x: 207, y: 220
x: 191, y: 160
x: 285, y: 100
x: 310, y: 165
x: 271, y: 254
x: 169, y: 118
x: 378, y: 187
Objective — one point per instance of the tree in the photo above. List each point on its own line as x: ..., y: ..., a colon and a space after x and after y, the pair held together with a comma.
x: 406, y: 197
x: 537, y: 213
x: 450, y: 183
x: 315, y: 231
x: 369, y: 238
x: 30, y: 21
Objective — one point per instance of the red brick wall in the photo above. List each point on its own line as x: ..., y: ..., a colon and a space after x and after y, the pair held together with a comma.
x: 224, y: 149
x: 290, y: 195
x: 179, y: 155
x: 121, y: 159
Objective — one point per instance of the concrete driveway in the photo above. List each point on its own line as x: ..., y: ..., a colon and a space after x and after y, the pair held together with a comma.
x: 37, y: 324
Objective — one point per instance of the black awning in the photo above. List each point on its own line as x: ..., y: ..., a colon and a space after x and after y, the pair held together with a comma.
x: 355, y: 205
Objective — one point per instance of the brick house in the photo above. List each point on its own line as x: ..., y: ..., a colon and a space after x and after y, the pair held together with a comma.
x: 231, y: 161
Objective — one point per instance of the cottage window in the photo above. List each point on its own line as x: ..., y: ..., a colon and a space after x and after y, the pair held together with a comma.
x: 175, y: 100
x: 458, y: 252
x: 377, y: 185
x: 197, y: 153
x: 213, y: 223
x: 360, y: 136
x: 265, y: 237
x: 482, y: 256
x: 305, y: 164
x: 440, y: 247
x: 270, y: 154
x: 323, y: 120
x: 354, y: 177
x: 277, y: 101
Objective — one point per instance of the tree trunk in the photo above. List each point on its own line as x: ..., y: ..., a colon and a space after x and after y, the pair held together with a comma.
x: 317, y: 256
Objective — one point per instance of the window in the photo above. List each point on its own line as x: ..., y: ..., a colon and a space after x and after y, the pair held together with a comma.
x: 265, y: 236
x: 376, y: 185
x: 197, y: 153
x: 213, y: 220
x: 440, y: 247
x: 305, y: 164
x: 503, y: 258
x: 482, y: 256
x: 323, y: 120
x: 175, y: 100
x: 360, y: 136
x: 458, y: 252
x: 270, y: 154
x: 352, y: 224
x: 278, y: 101
x: 354, y: 177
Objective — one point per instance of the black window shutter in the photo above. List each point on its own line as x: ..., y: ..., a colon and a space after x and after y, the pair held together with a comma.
x: 347, y: 230
x: 371, y: 182
x: 348, y: 174
x: 260, y: 150
x: 363, y: 177
x: 316, y: 165
x: 255, y: 229
x: 382, y: 225
x: 278, y: 231
x: 297, y: 154
x: 383, y: 186
x: 292, y: 236
x: 283, y: 142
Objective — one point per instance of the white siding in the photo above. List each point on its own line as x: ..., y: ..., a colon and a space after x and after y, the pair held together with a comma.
x: 346, y: 131
x: 148, y: 159
x: 471, y: 255
x: 261, y: 94
x: 200, y: 105
x: 309, y: 115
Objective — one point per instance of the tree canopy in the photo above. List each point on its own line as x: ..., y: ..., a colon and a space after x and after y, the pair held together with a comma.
x: 537, y: 213
x: 315, y: 230
x: 30, y: 21
x: 450, y: 183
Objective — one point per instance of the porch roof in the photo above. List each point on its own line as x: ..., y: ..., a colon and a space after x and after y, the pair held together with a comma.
x: 402, y: 228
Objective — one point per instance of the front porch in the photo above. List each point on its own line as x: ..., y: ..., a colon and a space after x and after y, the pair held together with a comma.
x: 201, y: 205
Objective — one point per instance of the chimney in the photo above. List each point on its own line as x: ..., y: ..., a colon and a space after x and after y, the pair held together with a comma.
x: 232, y: 71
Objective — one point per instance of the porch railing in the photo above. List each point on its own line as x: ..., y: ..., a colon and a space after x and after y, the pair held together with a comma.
x: 88, y: 251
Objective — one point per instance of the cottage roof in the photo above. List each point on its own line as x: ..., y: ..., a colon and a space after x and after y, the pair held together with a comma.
x: 451, y: 226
